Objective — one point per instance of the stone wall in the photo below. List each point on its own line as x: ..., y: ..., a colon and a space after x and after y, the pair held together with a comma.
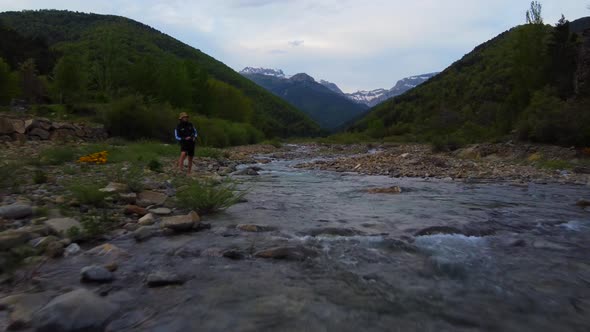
x: 19, y: 129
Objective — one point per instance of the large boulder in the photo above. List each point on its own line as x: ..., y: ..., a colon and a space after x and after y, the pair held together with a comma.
x: 6, y: 127
x: 147, y: 198
x: 16, y: 211
x: 181, y: 223
x: 78, y: 310
x: 61, y: 226
x: 40, y: 133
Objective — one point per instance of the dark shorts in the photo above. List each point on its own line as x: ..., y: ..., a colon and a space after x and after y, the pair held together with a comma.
x: 188, y: 147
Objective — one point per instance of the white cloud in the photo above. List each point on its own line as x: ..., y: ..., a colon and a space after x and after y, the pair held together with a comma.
x: 357, y: 44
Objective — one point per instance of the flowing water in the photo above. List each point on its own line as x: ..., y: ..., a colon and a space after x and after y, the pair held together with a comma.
x: 511, y: 258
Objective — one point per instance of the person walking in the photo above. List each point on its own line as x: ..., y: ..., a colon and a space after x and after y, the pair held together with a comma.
x: 185, y: 134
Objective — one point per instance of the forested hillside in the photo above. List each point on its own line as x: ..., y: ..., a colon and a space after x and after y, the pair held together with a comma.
x: 529, y: 81
x: 108, y: 62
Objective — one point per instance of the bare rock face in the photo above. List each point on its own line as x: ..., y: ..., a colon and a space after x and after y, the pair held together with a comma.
x: 19, y: 129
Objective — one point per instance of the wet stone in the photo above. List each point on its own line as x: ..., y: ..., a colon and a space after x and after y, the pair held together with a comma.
x: 78, y: 310
x: 333, y: 231
x: 438, y: 230
x: 181, y: 223
x: 234, y: 254
x: 147, y: 220
x: 15, y: 211
x: 134, y: 209
x: 143, y: 233
x: 161, y: 211
x: 61, y: 226
x: 390, y: 190
x: 163, y: 278
x: 254, y: 228
x: 96, y: 273
x: 296, y: 253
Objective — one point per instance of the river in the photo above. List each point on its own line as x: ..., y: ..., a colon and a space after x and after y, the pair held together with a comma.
x: 509, y: 258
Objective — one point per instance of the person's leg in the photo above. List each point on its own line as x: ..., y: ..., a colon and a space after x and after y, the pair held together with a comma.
x: 181, y: 160
x: 190, y: 154
x: 190, y: 164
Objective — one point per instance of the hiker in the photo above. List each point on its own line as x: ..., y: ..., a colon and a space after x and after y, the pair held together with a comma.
x: 185, y: 134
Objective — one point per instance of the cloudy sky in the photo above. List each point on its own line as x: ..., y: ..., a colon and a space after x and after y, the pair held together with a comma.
x: 356, y: 44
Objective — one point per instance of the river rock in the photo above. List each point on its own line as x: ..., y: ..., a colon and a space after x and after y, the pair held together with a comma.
x: 583, y: 203
x: 234, y: 254
x: 247, y: 171
x: 43, y: 242
x: 163, y: 278
x: 55, y: 249
x: 78, y: 310
x: 128, y: 198
x: 40, y: 133
x: 297, y: 253
x: 161, y: 211
x: 147, y: 220
x: 254, y: 228
x: 10, y: 239
x: 333, y: 231
x: 60, y: 226
x: 438, y: 230
x: 16, y: 211
x: 134, y: 209
x: 114, y: 187
x: 96, y: 273
x: 22, y: 307
x: 72, y: 250
x: 390, y: 190
x: 143, y: 233
x: 131, y: 227
x: 147, y: 198
x: 181, y: 223
x: 107, y: 250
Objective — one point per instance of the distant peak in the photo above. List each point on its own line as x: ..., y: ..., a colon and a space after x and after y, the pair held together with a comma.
x: 302, y: 77
x: 263, y: 71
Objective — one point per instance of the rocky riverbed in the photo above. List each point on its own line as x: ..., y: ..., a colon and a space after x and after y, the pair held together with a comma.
x: 305, y: 249
x: 492, y: 162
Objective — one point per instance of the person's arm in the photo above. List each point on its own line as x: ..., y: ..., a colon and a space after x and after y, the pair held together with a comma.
x: 176, y: 135
x: 195, y: 132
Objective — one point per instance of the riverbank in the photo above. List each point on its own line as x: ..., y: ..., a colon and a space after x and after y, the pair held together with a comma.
x: 483, y: 162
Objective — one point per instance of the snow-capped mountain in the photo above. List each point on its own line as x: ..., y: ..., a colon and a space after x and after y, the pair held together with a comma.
x: 377, y: 96
x: 263, y: 71
x: 331, y: 86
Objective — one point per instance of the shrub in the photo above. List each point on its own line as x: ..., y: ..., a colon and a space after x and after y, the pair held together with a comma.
x: 39, y: 177
x: 87, y: 193
x: 555, y: 164
x: 57, y: 156
x: 274, y: 142
x: 207, y: 152
x: 132, y: 176
x: 96, y: 225
x: 155, y: 166
x: 132, y: 118
x: 206, y: 196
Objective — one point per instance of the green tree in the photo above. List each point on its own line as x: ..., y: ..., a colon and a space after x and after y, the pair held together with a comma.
x: 31, y: 85
x: 533, y: 15
x: 173, y: 83
x: 8, y: 83
x: 70, y: 78
x: 228, y: 103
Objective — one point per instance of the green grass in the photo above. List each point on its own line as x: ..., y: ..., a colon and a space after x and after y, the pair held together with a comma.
x: 207, y: 152
x: 57, y: 155
x: 555, y: 164
x: 87, y: 193
x: 274, y: 142
x: 133, y: 152
x: 206, y: 196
